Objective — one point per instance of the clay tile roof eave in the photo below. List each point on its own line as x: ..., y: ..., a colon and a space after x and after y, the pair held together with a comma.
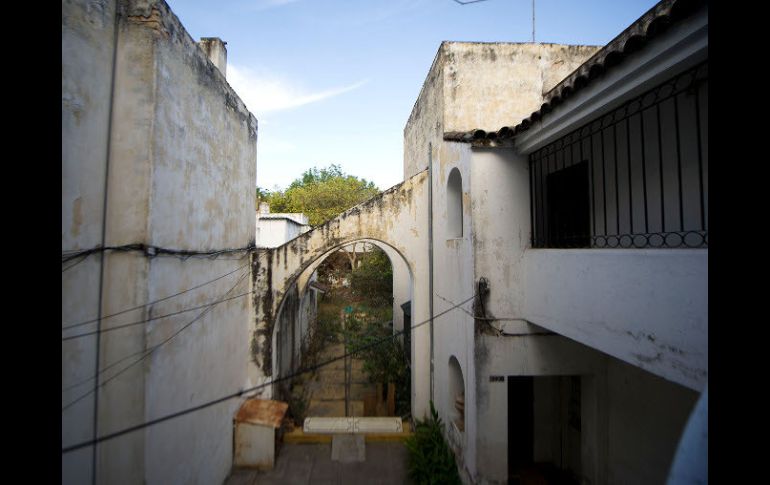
x: 654, y: 22
x: 651, y: 24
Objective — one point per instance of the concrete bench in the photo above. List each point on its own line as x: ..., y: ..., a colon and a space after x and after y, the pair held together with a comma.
x: 348, y: 444
x: 352, y: 425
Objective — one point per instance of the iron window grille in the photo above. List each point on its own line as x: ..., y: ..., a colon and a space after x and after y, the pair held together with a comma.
x: 636, y: 177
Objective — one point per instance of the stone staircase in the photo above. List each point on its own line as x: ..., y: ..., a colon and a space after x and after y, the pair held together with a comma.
x: 326, y: 389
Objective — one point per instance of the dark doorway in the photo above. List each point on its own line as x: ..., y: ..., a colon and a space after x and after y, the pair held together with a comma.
x: 544, y: 426
x: 407, y: 308
x: 520, y: 425
x: 568, y: 221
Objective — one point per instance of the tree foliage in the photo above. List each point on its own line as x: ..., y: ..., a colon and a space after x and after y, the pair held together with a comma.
x: 322, y: 194
x: 373, y: 277
x: 383, y: 356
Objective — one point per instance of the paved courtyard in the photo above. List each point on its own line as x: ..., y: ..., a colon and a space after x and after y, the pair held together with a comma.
x: 311, y: 463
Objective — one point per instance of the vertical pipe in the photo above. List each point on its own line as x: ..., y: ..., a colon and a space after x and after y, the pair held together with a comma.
x: 100, y: 303
x: 430, y: 258
x: 345, y: 362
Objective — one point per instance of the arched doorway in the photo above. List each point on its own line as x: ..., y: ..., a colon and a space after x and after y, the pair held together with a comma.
x: 305, y: 338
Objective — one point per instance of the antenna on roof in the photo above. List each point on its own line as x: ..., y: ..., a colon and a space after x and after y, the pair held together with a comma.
x: 477, y: 1
x: 533, y: 21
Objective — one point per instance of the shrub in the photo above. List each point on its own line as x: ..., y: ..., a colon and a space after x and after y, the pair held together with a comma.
x: 383, y: 356
x: 430, y: 459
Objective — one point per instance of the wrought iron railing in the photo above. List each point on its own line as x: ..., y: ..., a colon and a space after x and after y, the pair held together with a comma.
x: 636, y: 177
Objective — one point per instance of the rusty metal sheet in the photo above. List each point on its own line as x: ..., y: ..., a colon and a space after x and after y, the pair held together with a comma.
x: 262, y: 411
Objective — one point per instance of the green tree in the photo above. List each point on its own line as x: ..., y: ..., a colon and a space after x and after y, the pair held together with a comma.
x: 322, y: 194
x: 373, y: 277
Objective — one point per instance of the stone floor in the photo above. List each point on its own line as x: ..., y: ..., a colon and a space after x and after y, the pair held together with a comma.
x: 386, y: 463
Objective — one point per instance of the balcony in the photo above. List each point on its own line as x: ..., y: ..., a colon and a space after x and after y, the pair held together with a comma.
x: 636, y: 177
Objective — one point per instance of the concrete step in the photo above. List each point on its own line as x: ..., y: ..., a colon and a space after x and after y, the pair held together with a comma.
x: 326, y: 393
x: 328, y: 376
x: 337, y: 391
x: 335, y: 408
x: 359, y: 391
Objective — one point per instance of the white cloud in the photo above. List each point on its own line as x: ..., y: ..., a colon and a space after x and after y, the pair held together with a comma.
x: 265, y: 4
x: 266, y: 93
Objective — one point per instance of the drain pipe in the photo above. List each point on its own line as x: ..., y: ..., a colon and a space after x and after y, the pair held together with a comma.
x: 103, y: 256
x: 430, y: 258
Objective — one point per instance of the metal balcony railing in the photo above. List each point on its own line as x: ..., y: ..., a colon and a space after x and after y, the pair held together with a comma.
x: 636, y: 177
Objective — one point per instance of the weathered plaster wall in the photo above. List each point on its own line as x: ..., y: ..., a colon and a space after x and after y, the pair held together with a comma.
x: 396, y: 218
x: 631, y: 420
x: 204, y: 171
x: 425, y: 123
x: 647, y: 416
x: 453, y: 282
x: 491, y: 85
x: 483, y: 85
x: 648, y: 307
x: 537, y: 355
x: 499, y: 201
x: 182, y: 167
x: 88, y: 42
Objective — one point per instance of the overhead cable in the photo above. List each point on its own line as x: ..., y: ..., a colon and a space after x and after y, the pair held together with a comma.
x: 153, y: 349
x: 121, y: 312
x: 152, y: 422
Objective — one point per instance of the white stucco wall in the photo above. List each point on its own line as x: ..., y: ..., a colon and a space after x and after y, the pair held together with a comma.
x: 175, y: 181
x: 540, y: 355
x: 648, y: 307
x: 453, y: 282
x: 274, y: 229
x: 646, y: 417
x: 204, y: 169
x: 484, y: 85
x: 88, y: 41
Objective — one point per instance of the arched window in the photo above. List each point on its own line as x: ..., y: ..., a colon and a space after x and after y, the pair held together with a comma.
x: 456, y: 394
x: 454, y: 202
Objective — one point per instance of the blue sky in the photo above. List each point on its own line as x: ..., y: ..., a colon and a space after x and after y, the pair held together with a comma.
x: 334, y: 81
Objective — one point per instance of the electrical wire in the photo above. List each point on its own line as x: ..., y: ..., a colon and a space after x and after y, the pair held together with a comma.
x: 489, y: 319
x: 121, y: 312
x: 83, y: 258
x: 157, y: 317
x: 153, y: 349
x: 104, y: 369
x: 152, y: 251
x: 251, y: 389
x: 109, y: 366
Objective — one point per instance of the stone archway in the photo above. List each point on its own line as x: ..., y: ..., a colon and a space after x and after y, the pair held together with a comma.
x: 295, y: 295
x: 397, y: 220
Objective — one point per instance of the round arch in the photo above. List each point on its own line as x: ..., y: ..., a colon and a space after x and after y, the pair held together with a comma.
x: 456, y: 395
x: 295, y: 293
